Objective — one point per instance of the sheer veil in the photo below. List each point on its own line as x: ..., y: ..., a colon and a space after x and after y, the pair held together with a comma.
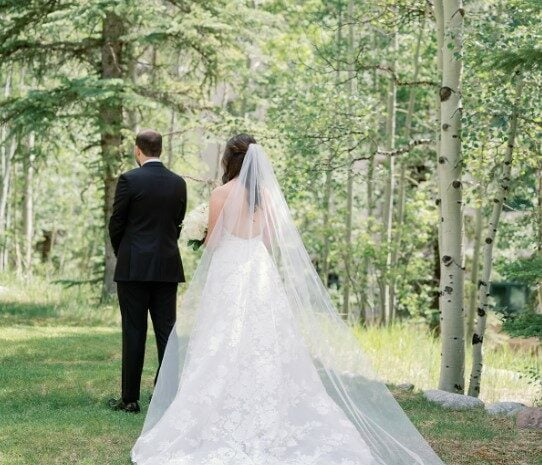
x: 256, y: 211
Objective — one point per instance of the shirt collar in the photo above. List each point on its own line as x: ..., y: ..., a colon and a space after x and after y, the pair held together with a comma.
x: 152, y: 160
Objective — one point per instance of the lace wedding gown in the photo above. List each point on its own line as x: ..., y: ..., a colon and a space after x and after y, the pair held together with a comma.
x: 253, y: 373
x: 251, y: 394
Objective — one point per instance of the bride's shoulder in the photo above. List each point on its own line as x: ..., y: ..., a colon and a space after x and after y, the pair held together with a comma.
x: 218, y: 196
x: 222, y: 191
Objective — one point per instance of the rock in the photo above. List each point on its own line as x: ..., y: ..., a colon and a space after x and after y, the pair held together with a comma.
x: 451, y: 400
x: 405, y: 387
x: 505, y: 408
x: 530, y: 417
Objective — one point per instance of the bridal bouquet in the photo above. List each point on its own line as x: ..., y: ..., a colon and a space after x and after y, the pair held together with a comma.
x: 195, y: 226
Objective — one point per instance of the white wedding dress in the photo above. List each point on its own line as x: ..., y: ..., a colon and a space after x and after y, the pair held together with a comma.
x: 251, y: 376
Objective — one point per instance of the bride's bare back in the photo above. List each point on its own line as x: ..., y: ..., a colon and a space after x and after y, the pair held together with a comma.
x: 245, y: 222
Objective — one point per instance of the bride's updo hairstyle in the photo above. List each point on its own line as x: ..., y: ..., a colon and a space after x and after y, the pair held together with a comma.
x: 234, y: 154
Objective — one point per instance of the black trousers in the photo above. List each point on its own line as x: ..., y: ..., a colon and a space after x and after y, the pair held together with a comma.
x: 135, y: 300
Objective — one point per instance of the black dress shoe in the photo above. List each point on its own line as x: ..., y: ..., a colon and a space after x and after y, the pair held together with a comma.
x: 119, y: 405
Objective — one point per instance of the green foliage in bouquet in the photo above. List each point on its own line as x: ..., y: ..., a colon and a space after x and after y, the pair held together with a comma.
x: 195, y: 244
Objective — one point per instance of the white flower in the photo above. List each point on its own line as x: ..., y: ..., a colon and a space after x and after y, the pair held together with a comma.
x: 195, y: 223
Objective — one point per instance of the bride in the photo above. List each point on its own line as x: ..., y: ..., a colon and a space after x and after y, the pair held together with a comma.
x: 260, y: 369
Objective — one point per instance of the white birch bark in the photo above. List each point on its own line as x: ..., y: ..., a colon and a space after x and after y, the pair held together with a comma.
x: 367, y: 295
x: 350, y: 177
x: 327, y: 206
x: 390, y: 184
x: 328, y: 184
x: 539, y: 217
x: 172, y: 118
x: 451, y: 203
x: 7, y: 150
x: 438, y: 10
x: 28, y: 204
x: 489, y: 242
x: 469, y: 327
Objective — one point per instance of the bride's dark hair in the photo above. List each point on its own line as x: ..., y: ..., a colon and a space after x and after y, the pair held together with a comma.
x: 234, y: 154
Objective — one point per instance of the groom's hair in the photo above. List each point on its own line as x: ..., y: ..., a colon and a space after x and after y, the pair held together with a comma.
x: 149, y: 142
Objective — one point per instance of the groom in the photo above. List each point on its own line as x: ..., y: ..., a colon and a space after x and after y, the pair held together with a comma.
x: 149, y: 207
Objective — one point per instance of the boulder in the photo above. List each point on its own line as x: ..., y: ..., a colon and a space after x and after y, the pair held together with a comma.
x: 405, y: 387
x: 505, y: 408
x: 530, y: 417
x: 452, y: 401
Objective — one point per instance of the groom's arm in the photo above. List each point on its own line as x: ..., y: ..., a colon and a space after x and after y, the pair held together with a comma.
x: 117, y: 222
x: 182, y: 209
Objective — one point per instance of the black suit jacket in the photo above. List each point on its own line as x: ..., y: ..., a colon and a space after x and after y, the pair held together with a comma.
x: 149, y: 207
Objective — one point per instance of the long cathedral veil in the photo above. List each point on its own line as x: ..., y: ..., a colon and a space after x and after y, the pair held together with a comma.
x: 256, y: 210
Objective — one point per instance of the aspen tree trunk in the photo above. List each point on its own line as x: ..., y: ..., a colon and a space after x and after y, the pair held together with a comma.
x: 28, y: 204
x: 539, y: 224
x: 170, y: 139
x: 368, y: 268
x: 489, y: 242
x: 111, y: 115
x: 401, y: 191
x: 327, y: 206
x: 16, y: 221
x: 6, y: 152
x: 451, y: 203
x: 350, y: 177
x: 386, y: 311
x: 329, y: 173
x: 396, y: 242
x: 130, y: 58
x: 366, y: 262
x: 172, y: 119
x: 438, y: 11
x: 7, y: 176
x: 469, y: 328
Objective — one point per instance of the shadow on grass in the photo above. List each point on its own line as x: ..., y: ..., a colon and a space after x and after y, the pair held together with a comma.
x: 26, y: 313
x: 44, y: 375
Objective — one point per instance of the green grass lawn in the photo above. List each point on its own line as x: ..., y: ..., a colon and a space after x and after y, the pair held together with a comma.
x: 60, y: 362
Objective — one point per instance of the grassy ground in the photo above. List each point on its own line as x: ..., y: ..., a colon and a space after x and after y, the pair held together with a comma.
x: 60, y: 361
x: 412, y: 355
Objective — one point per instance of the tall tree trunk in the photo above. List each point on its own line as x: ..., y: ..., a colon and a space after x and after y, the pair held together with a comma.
x: 367, y: 268
x: 28, y: 204
x: 111, y: 116
x: 395, y: 243
x: 438, y: 11
x: 539, y: 216
x: 386, y: 311
x: 489, y: 242
x: 350, y: 175
x: 469, y: 324
x: 16, y: 221
x: 170, y: 139
x: 451, y: 202
x: 326, y: 205
x: 7, y: 151
x: 131, y: 113
x: 401, y: 190
x: 328, y: 191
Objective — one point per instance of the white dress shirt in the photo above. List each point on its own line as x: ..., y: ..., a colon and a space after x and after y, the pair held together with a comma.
x: 151, y: 161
